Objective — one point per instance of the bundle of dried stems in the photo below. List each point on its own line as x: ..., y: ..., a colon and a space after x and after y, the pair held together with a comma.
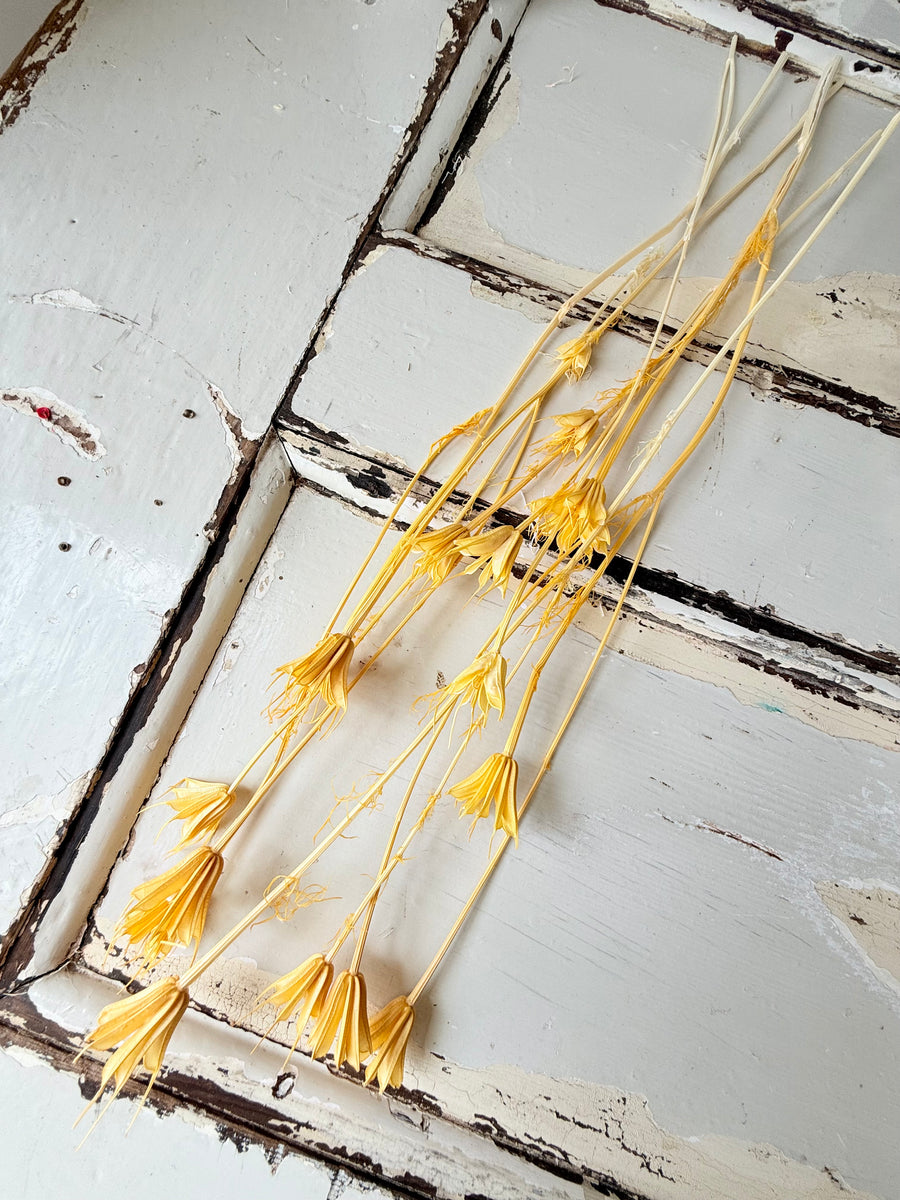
x: 572, y: 531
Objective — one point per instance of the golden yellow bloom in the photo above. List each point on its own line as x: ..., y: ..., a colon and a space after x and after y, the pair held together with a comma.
x: 390, y: 1031
x: 495, y: 554
x: 200, y: 806
x: 321, y: 674
x: 143, y: 1024
x: 576, y: 355
x: 493, y: 783
x: 302, y: 990
x: 171, y: 909
x: 343, y: 1022
x: 575, y: 432
x: 437, y: 551
x: 483, y: 684
x: 576, y: 516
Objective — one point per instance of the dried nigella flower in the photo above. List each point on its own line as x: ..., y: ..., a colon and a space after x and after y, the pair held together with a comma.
x: 493, y: 783
x: 390, y: 1031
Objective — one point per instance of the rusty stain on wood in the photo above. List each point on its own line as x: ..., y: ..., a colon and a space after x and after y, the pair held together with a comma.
x: 53, y: 38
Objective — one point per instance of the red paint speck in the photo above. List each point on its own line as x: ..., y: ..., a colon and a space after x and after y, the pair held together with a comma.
x: 44, y: 413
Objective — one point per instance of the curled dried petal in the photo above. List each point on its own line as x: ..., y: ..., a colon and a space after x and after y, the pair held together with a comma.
x: 390, y: 1030
x: 343, y: 1022
x: 170, y: 910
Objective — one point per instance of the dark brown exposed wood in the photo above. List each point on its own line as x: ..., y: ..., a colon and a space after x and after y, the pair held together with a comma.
x: 23, y: 73
x: 778, y: 382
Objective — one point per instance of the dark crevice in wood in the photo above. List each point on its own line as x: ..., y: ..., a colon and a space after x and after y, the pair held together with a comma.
x: 802, y: 22
x: 19, y: 79
x: 475, y: 122
x: 783, y: 21
x: 773, y: 381
x: 19, y: 943
x: 652, y: 580
x: 245, y: 1122
x: 464, y: 16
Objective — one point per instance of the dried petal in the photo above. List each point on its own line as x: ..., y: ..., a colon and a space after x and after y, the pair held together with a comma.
x: 495, y: 554
x: 343, y: 1022
x: 321, y: 674
x: 390, y: 1031
x: 576, y: 516
x: 493, y: 783
x: 437, y: 551
x: 200, y: 806
x: 171, y: 909
x: 483, y: 684
x: 143, y: 1023
x: 302, y: 990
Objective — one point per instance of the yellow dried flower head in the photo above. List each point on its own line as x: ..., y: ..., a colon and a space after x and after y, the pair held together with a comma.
x: 390, y: 1031
x: 437, y: 551
x: 495, y: 554
x: 576, y: 355
x: 200, y: 806
x: 576, y: 516
x: 343, y: 1022
x: 576, y: 429
x: 483, y: 684
x: 171, y: 909
x: 143, y: 1024
x: 493, y: 783
x: 301, y: 991
x: 321, y: 674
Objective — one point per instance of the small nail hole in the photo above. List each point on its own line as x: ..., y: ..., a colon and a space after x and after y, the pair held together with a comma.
x: 64, y: 546
x: 189, y: 412
x: 64, y: 481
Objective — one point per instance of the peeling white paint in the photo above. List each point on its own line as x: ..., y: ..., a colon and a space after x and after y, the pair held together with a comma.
x: 267, y: 572
x: 65, y: 422
x: 71, y: 298
x: 869, y: 916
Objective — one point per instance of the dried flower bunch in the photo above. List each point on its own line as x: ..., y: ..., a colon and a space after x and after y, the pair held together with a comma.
x: 590, y: 489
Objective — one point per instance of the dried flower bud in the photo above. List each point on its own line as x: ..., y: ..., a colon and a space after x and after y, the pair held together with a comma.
x: 437, y: 551
x: 200, y: 806
x: 493, y: 783
x: 301, y: 991
x: 321, y: 674
x: 495, y: 554
x: 483, y: 684
x: 143, y: 1023
x: 576, y: 517
x: 390, y: 1030
x: 575, y: 355
x: 171, y: 909
x: 343, y: 1022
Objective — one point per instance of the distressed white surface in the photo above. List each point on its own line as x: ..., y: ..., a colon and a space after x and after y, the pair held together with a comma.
x: 19, y: 20
x: 181, y: 1155
x: 659, y: 923
x: 178, y: 201
x: 63, y: 918
x: 873, y: 20
x: 757, y: 513
x: 562, y: 180
x: 413, y: 189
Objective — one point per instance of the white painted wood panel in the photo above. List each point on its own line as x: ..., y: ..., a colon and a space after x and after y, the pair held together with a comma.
x: 668, y: 916
x: 414, y: 346
x: 186, y: 1155
x: 565, y: 176
x: 181, y: 189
